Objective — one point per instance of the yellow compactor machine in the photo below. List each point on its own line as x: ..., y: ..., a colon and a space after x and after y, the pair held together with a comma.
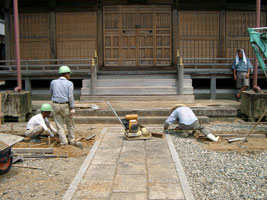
x: 132, y: 129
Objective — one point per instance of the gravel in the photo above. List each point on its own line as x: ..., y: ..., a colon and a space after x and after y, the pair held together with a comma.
x: 223, y: 175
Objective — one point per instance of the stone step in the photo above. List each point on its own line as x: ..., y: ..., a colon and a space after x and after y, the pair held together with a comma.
x: 213, y: 111
x: 176, y: 98
x: 135, y: 82
x: 114, y: 120
x: 167, y: 90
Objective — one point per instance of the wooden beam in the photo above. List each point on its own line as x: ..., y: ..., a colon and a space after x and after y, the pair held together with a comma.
x: 213, y: 87
x: 7, y: 31
x: 33, y: 150
x: 52, y: 26
x: 222, y: 35
x: 100, y: 36
x: 175, y: 32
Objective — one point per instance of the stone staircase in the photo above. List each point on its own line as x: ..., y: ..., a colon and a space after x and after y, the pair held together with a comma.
x: 136, y: 84
x: 153, y: 116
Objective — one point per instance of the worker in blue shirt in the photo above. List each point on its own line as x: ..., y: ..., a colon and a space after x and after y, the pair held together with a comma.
x: 241, y: 68
x: 64, y: 106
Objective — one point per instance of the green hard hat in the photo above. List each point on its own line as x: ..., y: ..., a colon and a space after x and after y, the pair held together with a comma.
x: 46, y: 107
x: 64, y: 69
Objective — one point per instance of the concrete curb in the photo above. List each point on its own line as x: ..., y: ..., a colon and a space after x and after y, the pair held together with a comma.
x: 179, y: 168
x: 77, y: 179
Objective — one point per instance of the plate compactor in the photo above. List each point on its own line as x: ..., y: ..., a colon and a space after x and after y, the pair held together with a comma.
x: 132, y: 129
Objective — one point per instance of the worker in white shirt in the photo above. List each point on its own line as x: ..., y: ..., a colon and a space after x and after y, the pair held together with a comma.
x: 187, y: 120
x: 39, y: 124
x: 64, y: 107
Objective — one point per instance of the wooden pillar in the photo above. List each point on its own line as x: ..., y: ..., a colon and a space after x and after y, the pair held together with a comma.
x: 28, y: 86
x: 52, y: 25
x: 213, y: 86
x: 222, y: 34
x: 7, y: 31
x: 93, y: 74
x: 100, y: 35
x: 180, y: 71
x: 174, y: 34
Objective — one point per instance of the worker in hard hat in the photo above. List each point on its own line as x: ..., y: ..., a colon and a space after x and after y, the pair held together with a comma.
x: 187, y: 120
x: 64, y: 106
x: 39, y: 124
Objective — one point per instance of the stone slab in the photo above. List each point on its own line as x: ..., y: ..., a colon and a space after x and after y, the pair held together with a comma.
x: 131, y: 168
x: 107, y: 156
x: 165, y: 191
x: 129, y: 196
x: 130, y: 183
x: 100, y: 172
x: 94, y: 189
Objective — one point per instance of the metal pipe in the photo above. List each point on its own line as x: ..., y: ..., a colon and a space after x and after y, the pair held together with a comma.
x: 16, y: 27
x: 255, y: 71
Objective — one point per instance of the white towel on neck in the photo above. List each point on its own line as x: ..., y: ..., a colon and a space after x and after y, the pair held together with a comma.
x: 237, y: 57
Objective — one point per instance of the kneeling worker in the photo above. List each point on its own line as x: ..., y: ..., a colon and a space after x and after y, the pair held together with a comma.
x: 39, y: 123
x: 187, y: 121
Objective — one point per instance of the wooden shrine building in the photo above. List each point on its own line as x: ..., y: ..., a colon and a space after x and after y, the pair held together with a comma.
x: 130, y: 37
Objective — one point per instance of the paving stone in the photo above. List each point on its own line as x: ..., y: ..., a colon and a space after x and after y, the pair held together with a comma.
x: 162, y: 173
x: 100, y: 172
x: 129, y: 196
x: 156, y: 145
x: 107, y: 156
x: 159, y: 160
x: 113, y: 137
x: 130, y: 183
x: 165, y: 191
x: 111, y: 144
x: 94, y: 189
x: 155, y: 153
x: 131, y: 168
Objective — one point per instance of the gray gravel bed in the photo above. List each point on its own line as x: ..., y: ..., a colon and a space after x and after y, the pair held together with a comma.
x: 223, y: 175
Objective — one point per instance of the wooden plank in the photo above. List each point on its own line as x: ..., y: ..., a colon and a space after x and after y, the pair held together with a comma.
x: 222, y: 45
x: 33, y: 150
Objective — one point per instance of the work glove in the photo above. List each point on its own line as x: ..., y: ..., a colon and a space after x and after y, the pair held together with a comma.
x: 72, y: 111
x: 50, y: 133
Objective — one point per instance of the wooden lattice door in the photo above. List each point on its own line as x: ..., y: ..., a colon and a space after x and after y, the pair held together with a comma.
x: 137, y: 35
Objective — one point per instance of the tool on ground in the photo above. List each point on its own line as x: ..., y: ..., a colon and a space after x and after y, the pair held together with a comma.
x: 132, y: 129
x: 251, y: 131
x: 236, y: 139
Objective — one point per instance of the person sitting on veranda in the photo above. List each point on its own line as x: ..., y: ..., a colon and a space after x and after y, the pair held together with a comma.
x: 39, y: 124
x: 187, y: 120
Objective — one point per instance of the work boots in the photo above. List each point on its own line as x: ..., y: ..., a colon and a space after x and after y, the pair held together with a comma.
x: 36, y: 139
x: 77, y: 144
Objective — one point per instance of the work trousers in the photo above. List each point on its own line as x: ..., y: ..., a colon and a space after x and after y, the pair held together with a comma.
x: 62, y: 114
x: 194, y: 126
x: 34, y: 132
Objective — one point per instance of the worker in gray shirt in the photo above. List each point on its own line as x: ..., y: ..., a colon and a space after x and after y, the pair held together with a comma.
x: 64, y: 106
x: 187, y: 120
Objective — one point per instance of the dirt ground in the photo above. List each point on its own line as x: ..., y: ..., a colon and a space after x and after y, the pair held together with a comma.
x: 53, y: 176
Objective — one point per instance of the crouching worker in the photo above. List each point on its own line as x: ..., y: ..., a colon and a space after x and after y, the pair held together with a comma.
x: 187, y: 120
x: 39, y: 124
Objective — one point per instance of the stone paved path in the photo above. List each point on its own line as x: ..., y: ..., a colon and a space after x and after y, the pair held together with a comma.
x: 134, y: 170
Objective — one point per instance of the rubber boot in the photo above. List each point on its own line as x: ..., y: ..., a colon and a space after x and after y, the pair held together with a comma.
x: 212, y: 137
